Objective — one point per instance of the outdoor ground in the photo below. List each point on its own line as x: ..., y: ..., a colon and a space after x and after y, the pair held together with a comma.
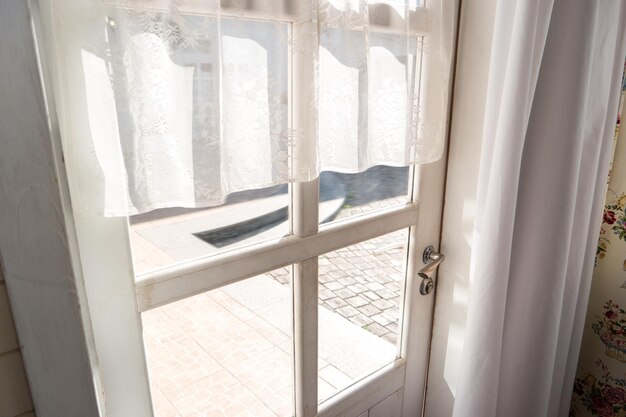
x: 228, y: 352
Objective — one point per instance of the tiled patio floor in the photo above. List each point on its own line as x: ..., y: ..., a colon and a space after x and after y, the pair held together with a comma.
x: 228, y: 352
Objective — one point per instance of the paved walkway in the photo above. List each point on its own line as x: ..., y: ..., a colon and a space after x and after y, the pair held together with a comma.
x: 228, y: 352
x: 363, y: 284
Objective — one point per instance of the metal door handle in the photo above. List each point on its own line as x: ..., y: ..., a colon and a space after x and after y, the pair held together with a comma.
x: 432, y: 260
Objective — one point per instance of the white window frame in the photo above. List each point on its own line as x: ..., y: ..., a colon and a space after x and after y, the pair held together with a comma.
x: 108, y: 304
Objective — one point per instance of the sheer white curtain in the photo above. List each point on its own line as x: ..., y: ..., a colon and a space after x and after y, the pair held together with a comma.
x: 552, y: 103
x: 179, y: 102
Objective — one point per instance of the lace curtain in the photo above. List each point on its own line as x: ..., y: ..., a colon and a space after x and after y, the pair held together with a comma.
x: 167, y: 103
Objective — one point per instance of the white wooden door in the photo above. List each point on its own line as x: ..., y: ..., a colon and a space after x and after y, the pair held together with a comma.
x: 111, y: 250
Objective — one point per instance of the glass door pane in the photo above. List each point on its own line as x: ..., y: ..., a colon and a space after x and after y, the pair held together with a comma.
x: 361, y: 289
x: 347, y: 195
x: 165, y: 237
x: 227, y: 352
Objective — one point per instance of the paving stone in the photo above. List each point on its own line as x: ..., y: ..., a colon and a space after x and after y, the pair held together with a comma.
x: 326, y: 278
x: 382, y: 304
x: 369, y: 310
x: 391, y: 337
x: 386, y: 294
x: 361, y: 320
x: 345, y: 293
x: 347, y: 281
x: 376, y: 328
x: 394, y: 286
x: 343, y: 263
x: 371, y: 295
x: 382, y: 319
x: 358, y: 288
x: 325, y: 294
x: 282, y: 275
x: 383, y: 279
x: 347, y: 311
x: 333, y: 286
x: 336, y: 303
x: 394, y: 309
x: 373, y: 273
x: 393, y: 327
x: 337, y: 274
x: 375, y: 286
x: 357, y: 301
x: 362, y: 279
x: 335, y: 377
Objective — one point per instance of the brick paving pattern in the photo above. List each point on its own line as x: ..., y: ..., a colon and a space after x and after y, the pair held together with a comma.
x: 361, y: 282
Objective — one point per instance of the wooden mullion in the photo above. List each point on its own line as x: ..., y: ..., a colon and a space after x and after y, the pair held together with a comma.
x: 204, y: 274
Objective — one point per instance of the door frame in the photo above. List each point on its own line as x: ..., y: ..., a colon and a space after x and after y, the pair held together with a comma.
x: 473, y: 54
x: 37, y: 240
x: 106, y: 262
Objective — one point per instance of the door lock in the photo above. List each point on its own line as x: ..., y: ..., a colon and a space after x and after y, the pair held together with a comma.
x: 432, y: 260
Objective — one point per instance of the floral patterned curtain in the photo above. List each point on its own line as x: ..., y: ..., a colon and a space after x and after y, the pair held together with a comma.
x: 600, y: 386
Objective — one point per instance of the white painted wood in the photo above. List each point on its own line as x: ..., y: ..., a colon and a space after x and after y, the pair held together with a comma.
x: 305, y: 222
x: 125, y: 383
x: 366, y: 393
x: 475, y: 37
x: 428, y: 190
x: 389, y: 407
x: 45, y: 289
x: 123, y: 377
x: 108, y: 270
x: 418, y: 309
x: 114, y: 314
x: 382, y: 17
x: 305, y: 287
x: 193, y: 277
x: 305, y: 209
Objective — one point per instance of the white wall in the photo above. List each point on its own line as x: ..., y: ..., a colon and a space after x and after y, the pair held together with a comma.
x: 15, y: 397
